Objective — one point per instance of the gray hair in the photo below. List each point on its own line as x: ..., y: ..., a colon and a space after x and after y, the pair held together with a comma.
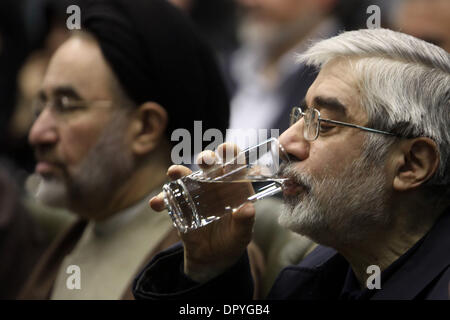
x: 404, y: 84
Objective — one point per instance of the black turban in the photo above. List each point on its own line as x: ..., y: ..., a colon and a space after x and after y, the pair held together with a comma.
x: 157, y: 56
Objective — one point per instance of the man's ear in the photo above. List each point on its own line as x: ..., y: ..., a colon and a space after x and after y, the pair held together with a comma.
x: 415, y: 163
x: 148, y: 127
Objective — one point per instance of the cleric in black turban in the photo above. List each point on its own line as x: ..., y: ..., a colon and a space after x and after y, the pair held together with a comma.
x: 103, y: 163
x: 157, y: 56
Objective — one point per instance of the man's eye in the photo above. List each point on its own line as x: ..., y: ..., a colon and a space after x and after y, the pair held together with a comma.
x: 66, y: 105
x: 325, y: 128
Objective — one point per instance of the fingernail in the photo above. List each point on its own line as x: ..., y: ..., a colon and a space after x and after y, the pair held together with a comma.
x: 209, y: 158
x: 171, y: 168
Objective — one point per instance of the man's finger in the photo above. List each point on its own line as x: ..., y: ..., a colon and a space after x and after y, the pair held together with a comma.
x: 176, y: 172
x: 243, y: 220
x: 228, y: 151
x: 157, y: 202
x: 207, y: 159
x: 245, y: 212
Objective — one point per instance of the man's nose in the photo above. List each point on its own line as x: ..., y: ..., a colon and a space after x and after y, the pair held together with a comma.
x: 294, y: 142
x: 44, y: 130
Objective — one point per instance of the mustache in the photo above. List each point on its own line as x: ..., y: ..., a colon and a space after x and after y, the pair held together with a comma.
x: 301, y: 178
x: 44, y: 155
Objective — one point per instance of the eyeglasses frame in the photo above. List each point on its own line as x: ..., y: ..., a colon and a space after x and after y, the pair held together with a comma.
x: 345, y: 124
x: 65, y: 100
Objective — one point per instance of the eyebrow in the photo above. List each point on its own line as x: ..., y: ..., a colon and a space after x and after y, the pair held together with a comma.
x: 66, y: 91
x: 332, y: 104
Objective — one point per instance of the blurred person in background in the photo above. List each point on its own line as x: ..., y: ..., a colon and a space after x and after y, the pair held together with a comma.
x: 215, y: 20
x: 110, y: 99
x: 13, y: 50
x: 428, y: 20
x: 33, y: 30
x: 45, y: 22
x: 265, y: 79
x: 263, y: 69
x: 22, y: 240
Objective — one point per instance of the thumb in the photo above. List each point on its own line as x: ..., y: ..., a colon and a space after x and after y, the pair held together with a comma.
x: 243, y: 219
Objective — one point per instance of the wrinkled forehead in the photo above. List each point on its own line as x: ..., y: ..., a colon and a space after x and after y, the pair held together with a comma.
x: 79, y: 64
x: 335, y: 91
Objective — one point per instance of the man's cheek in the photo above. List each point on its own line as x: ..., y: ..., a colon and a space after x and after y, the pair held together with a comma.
x: 77, y: 141
x: 73, y: 154
x: 329, y: 166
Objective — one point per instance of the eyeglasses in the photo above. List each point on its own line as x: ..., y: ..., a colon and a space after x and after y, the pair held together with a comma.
x: 312, y: 126
x: 63, y: 105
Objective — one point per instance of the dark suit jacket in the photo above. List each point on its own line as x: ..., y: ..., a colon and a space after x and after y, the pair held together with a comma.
x: 422, y: 273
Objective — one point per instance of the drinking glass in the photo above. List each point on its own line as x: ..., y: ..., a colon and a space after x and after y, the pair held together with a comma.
x: 207, y: 195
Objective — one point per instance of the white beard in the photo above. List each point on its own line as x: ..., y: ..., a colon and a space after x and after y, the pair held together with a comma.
x: 52, y: 192
x: 338, y: 210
